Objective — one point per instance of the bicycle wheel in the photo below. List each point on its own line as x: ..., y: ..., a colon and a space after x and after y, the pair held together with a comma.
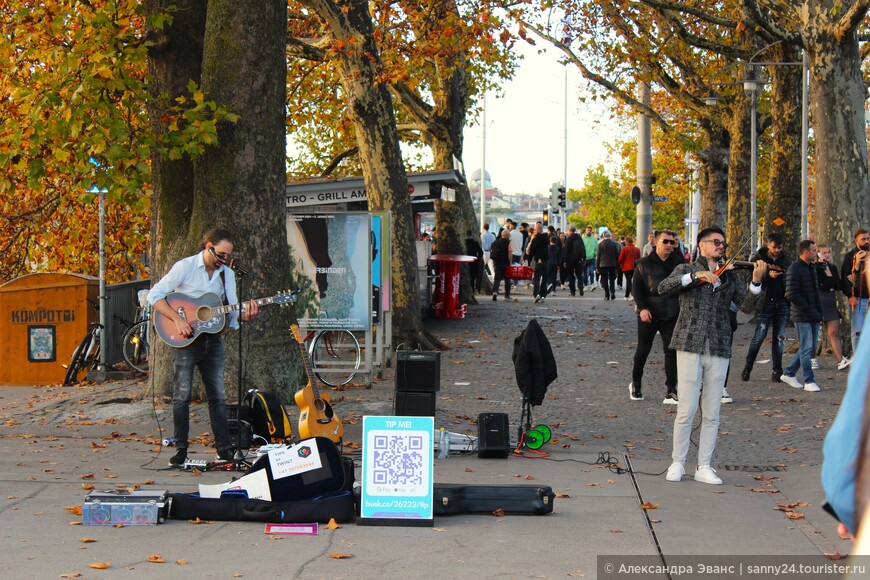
x: 135, y: 346
x: 76, y: 370
x: 337, y: 354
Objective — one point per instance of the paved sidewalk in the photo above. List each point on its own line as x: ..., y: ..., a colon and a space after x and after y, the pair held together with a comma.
x: 768, y: 455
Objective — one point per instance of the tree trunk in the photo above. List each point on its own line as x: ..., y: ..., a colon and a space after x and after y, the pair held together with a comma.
x: 240, y: 183
x: 370, y: 108
x: 837, y: 94
x: 737, y: 229
x: 784, y: 191
x: 714, y: 196
x: 174, y: 59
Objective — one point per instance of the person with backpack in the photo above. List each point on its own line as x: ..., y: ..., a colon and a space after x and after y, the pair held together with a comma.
x: 575, y: 261
x: 201, y: 273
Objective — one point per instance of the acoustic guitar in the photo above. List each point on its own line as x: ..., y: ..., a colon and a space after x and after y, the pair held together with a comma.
x: 316, y: 416
x: 204, y: 314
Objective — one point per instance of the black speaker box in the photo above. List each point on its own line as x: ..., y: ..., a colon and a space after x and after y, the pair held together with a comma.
x: 236, y: 424
x: 418, y: 371
x: 413, y: 404
x: 493, y: 436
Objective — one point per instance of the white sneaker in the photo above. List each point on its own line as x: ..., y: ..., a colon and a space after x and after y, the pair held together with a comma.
x: 706, y: 474
x: 626, y: 298
x: 670, y: 399
x: 726, y: 398
x: 634, y: 396
x: 675, y: 472
x: 791, y: 381
x: 814, y: 364
x: 812, y: 387
x: 844, y: 364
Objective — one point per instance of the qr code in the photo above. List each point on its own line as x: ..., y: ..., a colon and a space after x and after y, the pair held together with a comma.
x: 399, y: 461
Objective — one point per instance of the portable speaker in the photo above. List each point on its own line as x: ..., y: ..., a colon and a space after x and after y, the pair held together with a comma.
x: 493, y: 435
x: 237, y: 424
x: 413, y: 404
x: 418, y: 371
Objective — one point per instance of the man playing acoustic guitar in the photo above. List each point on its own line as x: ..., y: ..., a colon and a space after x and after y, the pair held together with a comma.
x: 196, y: 275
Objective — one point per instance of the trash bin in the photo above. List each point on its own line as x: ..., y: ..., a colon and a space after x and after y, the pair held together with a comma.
x: 43, y: 317
x: 446, y: 301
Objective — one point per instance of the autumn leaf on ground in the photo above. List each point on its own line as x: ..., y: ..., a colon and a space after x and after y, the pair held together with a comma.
x: 649, y: 505
x: 794, y: 515
x: 181, y: 562
x: 499, y: 513
x: 338, y: 556
x: 99, y: 565
x: 332, y: 525
x: 198, y: 521
x: 615, y: 531
x: 87, y: 476
x: 836, y: 556
x: 469, y: 470
x: 74, y: 509
x: 87, y: 486
x: 156, y: 559
x: 563, y: 495
x: 71, y: 575
x: 530, y: 477
x: 439, y: 529
x: 87, y: 540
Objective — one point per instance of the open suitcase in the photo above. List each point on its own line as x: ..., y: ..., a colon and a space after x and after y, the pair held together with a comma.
x: 457, y: 498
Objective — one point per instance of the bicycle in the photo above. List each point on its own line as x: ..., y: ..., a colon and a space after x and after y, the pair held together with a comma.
x: 135, y: 344
x: 335, y: 352
x: 85, y: 357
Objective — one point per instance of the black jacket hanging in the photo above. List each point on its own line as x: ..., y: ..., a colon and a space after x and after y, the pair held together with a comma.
x: 534, y: 363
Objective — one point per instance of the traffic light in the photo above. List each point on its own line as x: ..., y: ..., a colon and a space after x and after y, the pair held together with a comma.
x: 554, y: 195
x: 562, y: 198
x: 546, y: 218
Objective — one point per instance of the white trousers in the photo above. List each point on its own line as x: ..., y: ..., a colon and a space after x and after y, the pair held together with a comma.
x: 693, y: 371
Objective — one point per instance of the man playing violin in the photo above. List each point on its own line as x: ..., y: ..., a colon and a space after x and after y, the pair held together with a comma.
x: 772, y: 307
x: 702, y: 339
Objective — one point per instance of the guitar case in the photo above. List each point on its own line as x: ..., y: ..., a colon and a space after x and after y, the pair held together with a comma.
x: 457, y: 498
x: 313, y: 496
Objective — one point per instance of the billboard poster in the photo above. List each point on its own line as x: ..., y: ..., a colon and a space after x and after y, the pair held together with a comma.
x: 332, y: 257
x: 381, y: 229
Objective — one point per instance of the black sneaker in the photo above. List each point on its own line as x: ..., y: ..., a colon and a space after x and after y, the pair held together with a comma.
x: 775, y: 376
x: 225, y: 454
x: 744, y: 376
x: 495, y: 297
x: 634, y: 393
x: 179, y: 458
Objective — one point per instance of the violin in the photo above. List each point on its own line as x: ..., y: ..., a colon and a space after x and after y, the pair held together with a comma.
x: 741, y: 265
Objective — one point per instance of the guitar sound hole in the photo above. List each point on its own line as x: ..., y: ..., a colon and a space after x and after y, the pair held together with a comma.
x: 203, y: 314
x: 324, y: 408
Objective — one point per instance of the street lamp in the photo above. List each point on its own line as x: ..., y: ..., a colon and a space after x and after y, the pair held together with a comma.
x: 750, y: 87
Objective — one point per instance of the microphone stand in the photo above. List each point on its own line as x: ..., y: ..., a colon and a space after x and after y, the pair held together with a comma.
x: 239, y: 457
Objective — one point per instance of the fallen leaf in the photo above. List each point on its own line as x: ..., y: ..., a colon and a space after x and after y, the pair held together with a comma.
x: 499, y: 513
x: 74, y: 509
x: 87, y: 540
x: 87, y: 476
x: 99, y: 565
x: 71, y: 575
x: 530, y: 477
x: 338, y: 556
x: 649, y: 505
x: 794, y: 515
x: 332, y: 525
x: 836, y: 556
x: 469, y: 470
x: 565, y: 495
x: 87, y: 486
x: 181, y: 562
x: 439, y: 529
x: 156, y: 559
x: 615, y: 531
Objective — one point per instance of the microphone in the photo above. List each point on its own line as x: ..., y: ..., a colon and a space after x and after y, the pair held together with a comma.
x: 234, y: 266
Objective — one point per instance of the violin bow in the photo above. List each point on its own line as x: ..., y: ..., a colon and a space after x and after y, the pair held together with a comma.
x: 734, y: 257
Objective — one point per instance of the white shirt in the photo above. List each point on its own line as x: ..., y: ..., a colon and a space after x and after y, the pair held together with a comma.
x: 516, y: 242
x: 190, y: 277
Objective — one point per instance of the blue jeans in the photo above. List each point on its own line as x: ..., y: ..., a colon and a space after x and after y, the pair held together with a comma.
x: 857, y: 317
x: 206, y: 353
x: 590, y: 272
x: 808, y: 336
x: 774, y: 315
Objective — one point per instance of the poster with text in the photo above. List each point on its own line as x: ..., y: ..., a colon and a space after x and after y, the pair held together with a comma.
x: 332, y: 254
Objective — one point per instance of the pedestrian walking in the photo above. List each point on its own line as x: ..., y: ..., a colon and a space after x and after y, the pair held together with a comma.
x: 606, y: 263
x: 575, y: 261
x: 702, y: 339
x: 591, y: 244
x: 802, y: 292
x: 538, y: 255
x: 500, y: 252
x: 855, y: 284
x: 829, y: 285
x: 627, y: 257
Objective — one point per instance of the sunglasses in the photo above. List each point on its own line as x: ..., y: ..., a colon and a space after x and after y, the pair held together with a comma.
x: 669, y: 242
x: 717, y: 243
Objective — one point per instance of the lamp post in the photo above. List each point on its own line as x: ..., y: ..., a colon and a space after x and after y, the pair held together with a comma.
x: 750, y: 86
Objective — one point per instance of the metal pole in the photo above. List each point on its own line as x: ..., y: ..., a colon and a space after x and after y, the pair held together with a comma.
x: 805, y: 129
x: 644, y: 167
x: 483, y: 168
x: 104, y: 308
x: 564, y: 214
x: 753, y: 218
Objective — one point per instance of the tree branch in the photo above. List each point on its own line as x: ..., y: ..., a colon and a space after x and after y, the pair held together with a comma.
x: 692, y: 11
x: 420, y: 109
x: 617, y: 92
x: 851, y: 19
x: 311, y: 50
x: 753, y: 12
x: 334, y: 163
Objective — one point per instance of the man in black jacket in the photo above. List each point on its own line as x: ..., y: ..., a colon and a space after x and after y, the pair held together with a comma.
x: 608, y: 255
x: 656, y: 314
x: 473, y: 248
x: 855, y: 283
x: 802, y: 291
x: 500, y: 254
x: 538, y: 255
x: 575, y: 260
x: 772, y: 308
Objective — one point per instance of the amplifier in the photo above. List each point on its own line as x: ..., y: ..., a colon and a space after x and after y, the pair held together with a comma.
x: 493, y: 435
x: 413, y: 404
x: 418, y: 371
x: 239, y: 427
x: 137, y: 508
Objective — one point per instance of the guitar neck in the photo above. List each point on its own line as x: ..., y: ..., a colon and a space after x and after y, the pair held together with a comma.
x: 309, y: 369
x: 227, y: 308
